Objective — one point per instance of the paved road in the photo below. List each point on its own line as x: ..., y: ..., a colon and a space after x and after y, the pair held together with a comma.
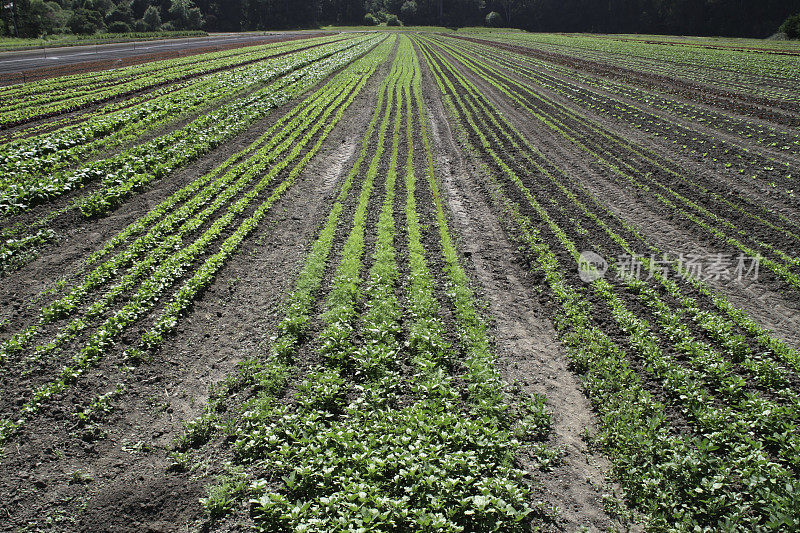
x: 19, y: 61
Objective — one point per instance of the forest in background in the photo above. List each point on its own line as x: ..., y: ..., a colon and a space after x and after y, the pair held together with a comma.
x: 733, y: 18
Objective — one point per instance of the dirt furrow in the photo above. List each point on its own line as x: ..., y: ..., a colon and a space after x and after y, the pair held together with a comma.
x: 529, y: 353
x: 127, y: 470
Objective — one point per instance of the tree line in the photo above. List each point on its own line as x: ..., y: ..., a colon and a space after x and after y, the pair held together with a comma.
x: 736, y: 18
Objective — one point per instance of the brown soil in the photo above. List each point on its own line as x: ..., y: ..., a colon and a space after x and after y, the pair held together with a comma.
x: 530, y: 354
x: 641, y: 210
x: 62, y: 476
x: 122, y: 481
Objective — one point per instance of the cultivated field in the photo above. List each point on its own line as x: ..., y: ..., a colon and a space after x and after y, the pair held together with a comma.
x: 405, y: 281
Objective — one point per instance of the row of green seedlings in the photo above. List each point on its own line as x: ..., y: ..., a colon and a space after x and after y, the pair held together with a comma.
x: 21, y: 158
x: 786, y: 355
x: 183, y: 146
x: 717, y: 227
x: 753, y: 46
x: 65, y: 131
x: 674, y: 171
x: 794, y: 361
x: 737, y: 202
x: 775, y: 422
x: 36, y: 98
x: 43, y: 154
x: 762, y: 165
x: 63, y: 121
x: 156, y: 83
x: 635, y: 432
x: 25, y: 106
x: 770, y: 136
x: 114, y: 291
x: 205, y: 190
x: 179, y: 216
x: 781, y: 111
x: 103, y: 78
x: 161, y: 88
x: 576, y: 184
x: 17, y: 251
x: 282, y: 152
x: 388, y: 440
x: 746, y: 72
x: 19, y: 242
x: 129, y: 171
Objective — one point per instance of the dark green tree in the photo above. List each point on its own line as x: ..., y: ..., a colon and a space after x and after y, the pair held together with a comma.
x: 43, y: 18
x: 184, y: 15
x: 341, y: 11
x: 510, y: 9
x: 393, y: 6
x: 791, y: 27
x: 408, y: 12
x: 85, y: 21
x: 122, y: 12
x: 152, y: 19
